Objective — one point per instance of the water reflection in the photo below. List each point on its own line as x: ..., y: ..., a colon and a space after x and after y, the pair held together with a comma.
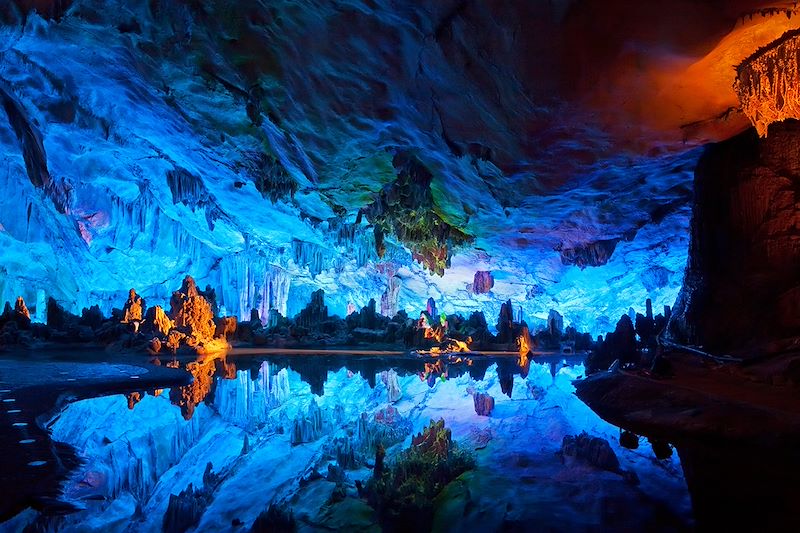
x: 303, y: 436
x: 314, y: 369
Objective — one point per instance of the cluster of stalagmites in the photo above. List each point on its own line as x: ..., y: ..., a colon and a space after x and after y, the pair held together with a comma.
x: 633, y: 341
x: 190, y: 323
x: 432, y: 331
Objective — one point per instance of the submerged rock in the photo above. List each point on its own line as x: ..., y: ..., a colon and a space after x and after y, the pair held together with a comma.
x: 484, y: 404
x: 592, y: 450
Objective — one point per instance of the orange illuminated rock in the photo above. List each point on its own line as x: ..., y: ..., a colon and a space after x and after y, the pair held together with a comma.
x: 524, y: 342
x: 226, y: 327
x: 174, y: 340
x: 20, y: 309
x: 159, y: 320
x: 192, y: 311
x: 661, y: 80
x: 155, y: 345
x: 133, y: 398
x: 768, y: 82
x: 133, y: 309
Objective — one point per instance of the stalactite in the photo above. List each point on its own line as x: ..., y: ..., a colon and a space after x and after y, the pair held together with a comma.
x: 269, y: 176
x: 186, y: 188
x: 406, y: 208
x: 590, y: 254
x: 768, y: 82
x: 249, y: 280
x: 33, y: 152
x: 312, y: 256
x: 390, y: 296
x: 357, y: 241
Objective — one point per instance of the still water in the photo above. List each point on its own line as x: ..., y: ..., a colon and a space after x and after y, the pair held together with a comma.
x: 264, y: 442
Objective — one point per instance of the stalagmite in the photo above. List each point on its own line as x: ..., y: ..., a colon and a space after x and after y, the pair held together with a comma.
x: 21, y: 310
x: 133, y: 309
x: 159, y: 320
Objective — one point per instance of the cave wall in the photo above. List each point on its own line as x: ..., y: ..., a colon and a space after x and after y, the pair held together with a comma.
x: 742, y: 286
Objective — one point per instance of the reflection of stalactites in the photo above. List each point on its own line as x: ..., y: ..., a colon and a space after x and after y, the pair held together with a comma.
x: 768, y: 82
x: 315, y: 377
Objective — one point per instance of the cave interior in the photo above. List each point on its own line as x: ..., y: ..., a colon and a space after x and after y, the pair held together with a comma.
x: 364, y: 265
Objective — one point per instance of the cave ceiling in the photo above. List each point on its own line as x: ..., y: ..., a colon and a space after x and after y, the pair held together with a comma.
x: 551, y: 142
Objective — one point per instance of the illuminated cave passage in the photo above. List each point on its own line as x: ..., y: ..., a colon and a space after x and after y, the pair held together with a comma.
x: 371, y: 265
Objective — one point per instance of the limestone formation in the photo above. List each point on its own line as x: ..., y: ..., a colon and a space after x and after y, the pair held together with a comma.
x: 505, y: 324
x: 618, y: 345
x: 21, y: 310
x: 740, y: 294
x: 555, y: 323
x: 226, y: 327
x: 405, y: 208
x: 189, y: 396
x: 389, y: 378
x: 484, y: 404
x: 308, y: 428
x: 592, y: 450
x: 392, y: 292
x: 191, y: 311
x: 768, y: 83
x: 315, y: 313
x: 133, y: 309
x: 482, y: 282
x: 159, y: 321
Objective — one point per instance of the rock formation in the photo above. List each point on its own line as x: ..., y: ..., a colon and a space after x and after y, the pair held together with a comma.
x: 315, y: 313
x: 741, y: 288
x: 768, y: 83
x: 592, y: 450
x: 619, y: 344
x: 308, y: 428
x: 403, y: 493
x: 482, y: 282
x: 158, y: 320
x: 555, y: 323
x: 389, y: 378
x: 133, y: 310
x: 484, y: 404
x: 406, y: 209
x: 185, y: 509
x: 21, y: 310
x: 191, y: 311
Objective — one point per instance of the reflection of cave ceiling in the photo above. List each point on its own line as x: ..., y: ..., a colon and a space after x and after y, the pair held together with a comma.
x: 248, y: 142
